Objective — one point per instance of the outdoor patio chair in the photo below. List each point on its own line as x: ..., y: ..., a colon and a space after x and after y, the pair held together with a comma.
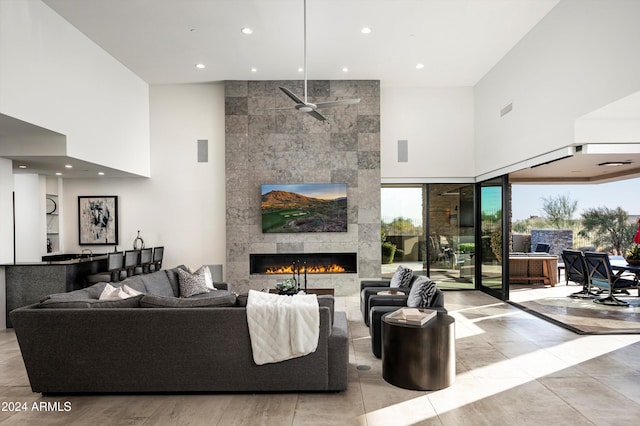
x: 602, y: 276
x: 575, y: 268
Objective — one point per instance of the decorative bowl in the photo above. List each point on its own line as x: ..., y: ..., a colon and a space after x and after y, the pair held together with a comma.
x: 633, y: 261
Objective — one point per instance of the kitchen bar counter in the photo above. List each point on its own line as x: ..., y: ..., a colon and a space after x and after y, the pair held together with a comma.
x: 29, y: 282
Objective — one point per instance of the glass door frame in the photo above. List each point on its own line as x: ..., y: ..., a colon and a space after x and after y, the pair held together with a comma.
x: 503, y: 293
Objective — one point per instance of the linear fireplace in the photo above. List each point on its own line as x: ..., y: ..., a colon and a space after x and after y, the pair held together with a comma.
x: 313, y: 263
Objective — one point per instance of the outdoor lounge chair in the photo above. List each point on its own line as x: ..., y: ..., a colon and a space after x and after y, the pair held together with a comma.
x: 575, y: 268
x: 602, y: 276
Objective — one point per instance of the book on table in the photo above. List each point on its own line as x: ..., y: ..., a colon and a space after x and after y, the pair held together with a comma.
x: 413, y: 316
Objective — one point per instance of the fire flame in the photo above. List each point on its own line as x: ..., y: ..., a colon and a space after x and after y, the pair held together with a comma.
x: 288, y: 269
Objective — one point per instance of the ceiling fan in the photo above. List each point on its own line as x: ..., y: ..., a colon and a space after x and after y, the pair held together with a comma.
x: 302, y: 104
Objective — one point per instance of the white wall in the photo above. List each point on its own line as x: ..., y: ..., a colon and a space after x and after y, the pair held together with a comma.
x: 29, y: 217
x: 182, y: 205
x: 580, y: 57
x: 55, y: 77
x: 6, y: 211
x: 438, y: 124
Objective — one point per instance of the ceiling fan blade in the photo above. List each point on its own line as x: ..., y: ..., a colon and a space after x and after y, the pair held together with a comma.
x: 290, y: 94
x: 330, y: 104
x: 317, y: 116
x: 275, y: 109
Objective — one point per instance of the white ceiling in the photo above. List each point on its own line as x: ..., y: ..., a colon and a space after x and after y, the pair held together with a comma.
x: 458, y: 41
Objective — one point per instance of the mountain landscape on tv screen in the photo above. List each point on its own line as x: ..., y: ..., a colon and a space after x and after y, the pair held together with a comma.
x: 284, y: 211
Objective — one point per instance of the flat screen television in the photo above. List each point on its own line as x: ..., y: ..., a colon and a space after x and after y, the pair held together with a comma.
x: 308, y: 207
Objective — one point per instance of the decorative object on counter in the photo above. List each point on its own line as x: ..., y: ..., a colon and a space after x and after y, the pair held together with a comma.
x: 98, y: 220
x: 138, y: 242
x: 287, y: 286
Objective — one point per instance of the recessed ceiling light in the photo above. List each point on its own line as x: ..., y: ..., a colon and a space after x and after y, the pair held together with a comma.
x: 345, y: 69
x: 247, y: 31
x: 419, y: 66
x: 68, y: 166
x: 22, y: 166
x: 300, y: 69
x: 201, y: 66
x: 365, y: 30
x: 254, y: 70
x: 101, y: 173
x: 58, y: 174
x: 614, y: 163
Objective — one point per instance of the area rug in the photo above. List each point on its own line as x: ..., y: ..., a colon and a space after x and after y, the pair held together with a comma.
x: 583, y: 316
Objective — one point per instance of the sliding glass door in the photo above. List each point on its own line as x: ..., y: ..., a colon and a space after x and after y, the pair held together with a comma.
x: 492, y: 237
x: 433, y: 230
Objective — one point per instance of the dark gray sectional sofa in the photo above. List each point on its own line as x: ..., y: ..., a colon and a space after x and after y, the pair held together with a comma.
x: 73, y: 343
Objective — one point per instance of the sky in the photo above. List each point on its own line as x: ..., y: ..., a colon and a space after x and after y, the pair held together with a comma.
x: 327, y: 191
x: 527, y: 199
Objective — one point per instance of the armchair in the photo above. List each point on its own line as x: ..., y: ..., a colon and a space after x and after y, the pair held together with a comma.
x: 370, y: 288
x: 382, y: 305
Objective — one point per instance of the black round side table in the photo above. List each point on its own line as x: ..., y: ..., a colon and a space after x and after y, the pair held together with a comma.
x: 419, y: 357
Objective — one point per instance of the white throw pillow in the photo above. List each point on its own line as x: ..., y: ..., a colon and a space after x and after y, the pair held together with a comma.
x: 131, y: 292
x: 112, y: 293
x: 117, y: 293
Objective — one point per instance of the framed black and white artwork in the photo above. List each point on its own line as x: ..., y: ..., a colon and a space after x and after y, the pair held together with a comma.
x: 98, y: 220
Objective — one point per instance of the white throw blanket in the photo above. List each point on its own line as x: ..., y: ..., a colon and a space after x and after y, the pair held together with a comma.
x: 282, y: 327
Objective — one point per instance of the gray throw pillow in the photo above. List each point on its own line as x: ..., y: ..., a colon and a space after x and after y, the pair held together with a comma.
x: 422, y: 293
x: 402, y: 277
x: 191, y: 284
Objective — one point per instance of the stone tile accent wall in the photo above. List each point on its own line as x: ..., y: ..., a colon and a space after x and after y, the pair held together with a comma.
x: 287, y: 146
x: 558, y: 239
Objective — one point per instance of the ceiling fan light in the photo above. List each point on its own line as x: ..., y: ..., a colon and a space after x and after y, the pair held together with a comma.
x: 201, y: 66
x: 419, y: 66
x: 246, y: 31
x: 345, y: 69
x: 365, y: 30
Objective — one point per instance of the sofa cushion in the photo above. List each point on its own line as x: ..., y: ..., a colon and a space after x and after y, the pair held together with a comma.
x: 402, y: 277
x: 192, y: 284
x: 422, y: 293
x: 211, y: 299
x: 59, y: 303
x: 135, y: 282
x: 92, y: 292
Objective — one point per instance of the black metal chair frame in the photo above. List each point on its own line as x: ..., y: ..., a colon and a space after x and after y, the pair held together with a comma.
x: 601, y: 275
x: 575, y: 269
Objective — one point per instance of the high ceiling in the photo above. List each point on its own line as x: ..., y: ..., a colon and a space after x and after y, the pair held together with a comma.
x: 457, y: 41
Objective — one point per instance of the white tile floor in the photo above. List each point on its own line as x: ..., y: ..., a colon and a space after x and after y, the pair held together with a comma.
x: 513, y: 369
